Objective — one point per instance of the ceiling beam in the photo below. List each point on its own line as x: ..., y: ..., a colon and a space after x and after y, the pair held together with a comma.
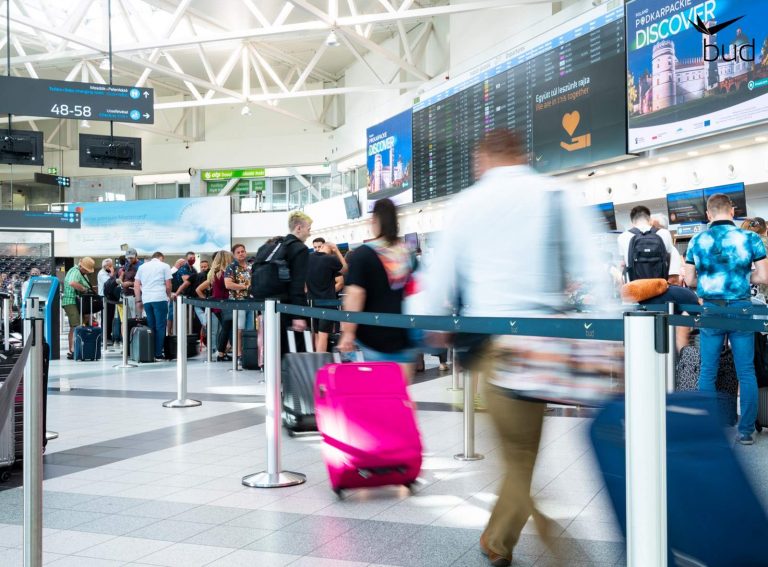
x: 287, y: 95
x: 282, y: 29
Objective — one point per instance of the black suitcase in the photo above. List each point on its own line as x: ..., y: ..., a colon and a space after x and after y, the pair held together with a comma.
x: 251, y: 350
x: 727, y: 383
x: 298, y: 376
x: 134, y: 322
x: 170, y: 349
x: 142, y: 344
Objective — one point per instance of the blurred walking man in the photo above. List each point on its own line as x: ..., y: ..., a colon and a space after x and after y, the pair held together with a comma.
x: 509, y: 206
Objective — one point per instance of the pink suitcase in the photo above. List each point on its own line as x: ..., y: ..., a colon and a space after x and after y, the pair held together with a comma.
x: 368, y: 424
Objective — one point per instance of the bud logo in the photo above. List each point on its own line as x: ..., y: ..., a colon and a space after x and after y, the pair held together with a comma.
x: 713, y: 52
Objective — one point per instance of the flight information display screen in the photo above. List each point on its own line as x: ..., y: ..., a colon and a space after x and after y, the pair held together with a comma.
x: 565, y: 95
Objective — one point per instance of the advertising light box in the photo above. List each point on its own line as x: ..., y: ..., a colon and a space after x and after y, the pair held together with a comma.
x: 695, y: 67
x: 389, y: 150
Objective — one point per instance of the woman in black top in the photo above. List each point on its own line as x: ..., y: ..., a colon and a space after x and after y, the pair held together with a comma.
x: 378, y: 272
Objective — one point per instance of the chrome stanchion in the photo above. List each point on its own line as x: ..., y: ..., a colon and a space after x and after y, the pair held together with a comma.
x: 235, y: 340
x: 455, y: 383
x: 6, y: 323
x: 208, y: 335
x: 181, y: 400
x: 190, y: 314
x: 672, y: 354
x: 646, y: 445
x: 126, y: 338
x: 273, y: 477
x: 469, y: 422
x: 33, y: 437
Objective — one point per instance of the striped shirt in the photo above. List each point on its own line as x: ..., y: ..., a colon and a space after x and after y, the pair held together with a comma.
x: 69, y: 297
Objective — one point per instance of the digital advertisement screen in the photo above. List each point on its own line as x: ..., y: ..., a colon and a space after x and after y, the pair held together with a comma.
x: 687, y: 207
x: 736, y: 192
x: 202, y: 225
x: 563, y: 92
x: 695, y: 67
x: 607, y: 213
x: 390, y: 153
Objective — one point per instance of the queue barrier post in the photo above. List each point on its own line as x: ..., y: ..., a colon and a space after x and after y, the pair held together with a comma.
x: 33, y: 437
x: 208, y: 336
x: 469, y: 421
x: 455, y: 374
x: 273, y: 477
x: 646, y: 438
x: 126, y: 338
x: 235, y: 340
x: 672, y: 354
x: 6, y: 323
x: 181, y: 400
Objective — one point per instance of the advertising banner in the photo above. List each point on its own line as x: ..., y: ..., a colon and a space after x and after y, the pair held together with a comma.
x: 176, y: 226
x: 695, y: 67
x: 389, y: 160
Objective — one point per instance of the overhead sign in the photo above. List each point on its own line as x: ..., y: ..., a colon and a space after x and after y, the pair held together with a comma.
x: 77, y: 101
x: 52, y: 170
x: 215, y: 174
x: 46, y: 179
x: 35, y: 219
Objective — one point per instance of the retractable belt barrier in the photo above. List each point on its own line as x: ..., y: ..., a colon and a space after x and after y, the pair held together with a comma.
x: 646, y: 336
x: 588, y: 329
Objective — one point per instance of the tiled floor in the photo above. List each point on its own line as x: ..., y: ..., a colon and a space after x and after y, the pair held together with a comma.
x: 129, y: 482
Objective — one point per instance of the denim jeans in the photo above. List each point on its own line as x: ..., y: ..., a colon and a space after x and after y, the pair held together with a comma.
x: 157, y: 315
x: 743, y: 347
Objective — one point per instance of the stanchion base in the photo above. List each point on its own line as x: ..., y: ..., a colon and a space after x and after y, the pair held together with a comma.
x: 182, y: 403
x: 233, y: 370
x: 50, y: 435
x: 463, y: 457
x: 279, y: 480
x: 129, y: 365
x: 455, y: 389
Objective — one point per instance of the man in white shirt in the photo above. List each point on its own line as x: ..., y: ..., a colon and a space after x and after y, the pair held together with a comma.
x: 153, y: 290
x: 640, y: 216
x: 503, y: 254
x: 660, y: 221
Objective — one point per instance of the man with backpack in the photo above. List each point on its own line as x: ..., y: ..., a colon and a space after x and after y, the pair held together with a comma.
x: 646, y: 250
x: 107, y: 273
x: 280, y: 269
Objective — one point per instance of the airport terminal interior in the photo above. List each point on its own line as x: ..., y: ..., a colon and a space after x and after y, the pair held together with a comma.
x: 187, y: 127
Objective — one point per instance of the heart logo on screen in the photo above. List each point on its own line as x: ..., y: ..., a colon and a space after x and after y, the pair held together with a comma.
x: 571, y: 122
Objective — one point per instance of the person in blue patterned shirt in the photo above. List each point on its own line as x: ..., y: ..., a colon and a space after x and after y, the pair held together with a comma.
x: 720, y: 264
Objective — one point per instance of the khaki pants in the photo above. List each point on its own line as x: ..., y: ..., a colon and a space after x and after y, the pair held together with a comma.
x: 519, y: 426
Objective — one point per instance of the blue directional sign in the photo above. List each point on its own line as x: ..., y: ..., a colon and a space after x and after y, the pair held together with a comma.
x: 77, y: 101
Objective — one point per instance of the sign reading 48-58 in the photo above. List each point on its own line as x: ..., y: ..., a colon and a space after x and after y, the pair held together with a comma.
x: 78, y: 101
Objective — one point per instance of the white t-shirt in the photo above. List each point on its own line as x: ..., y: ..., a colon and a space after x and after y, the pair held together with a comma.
x: 626, y: 237
x: 153, y: 276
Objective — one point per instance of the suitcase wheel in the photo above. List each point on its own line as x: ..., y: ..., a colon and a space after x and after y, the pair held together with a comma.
x: 337, y: 492
x: 758, y: 426
x: 410, y: 486
x: 5, y: 476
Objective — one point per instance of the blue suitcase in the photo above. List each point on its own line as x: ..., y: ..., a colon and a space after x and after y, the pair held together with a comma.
x: 88, y: 343
x: 714, y: 518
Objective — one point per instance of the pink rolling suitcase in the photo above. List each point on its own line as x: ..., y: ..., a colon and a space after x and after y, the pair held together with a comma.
x: 368, y: 424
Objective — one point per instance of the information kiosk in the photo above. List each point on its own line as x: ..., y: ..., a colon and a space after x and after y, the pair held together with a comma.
x: 46, y: 290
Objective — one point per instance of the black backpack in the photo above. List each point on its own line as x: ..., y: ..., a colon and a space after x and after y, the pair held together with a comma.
x: 648, y: 257
x: 113, y: 291
x: 195, y: 280
x: 270, y: 274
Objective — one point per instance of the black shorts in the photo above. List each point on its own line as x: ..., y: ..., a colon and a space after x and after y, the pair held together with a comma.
x: 322, y: 326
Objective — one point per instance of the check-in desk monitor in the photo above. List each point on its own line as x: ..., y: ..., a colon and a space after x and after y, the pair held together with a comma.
x: 46, y: 290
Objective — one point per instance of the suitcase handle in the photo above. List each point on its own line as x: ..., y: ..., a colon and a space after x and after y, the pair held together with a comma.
x: 345, y: 358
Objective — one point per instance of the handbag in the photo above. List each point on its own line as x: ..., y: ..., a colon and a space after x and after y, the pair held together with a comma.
x: 566, y: 371
x: 90, y: 303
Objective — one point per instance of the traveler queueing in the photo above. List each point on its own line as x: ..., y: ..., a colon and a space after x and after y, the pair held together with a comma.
x: 218, y: 290
x: 719, y: 263
x: 76, y: 284
x: 153, y: 291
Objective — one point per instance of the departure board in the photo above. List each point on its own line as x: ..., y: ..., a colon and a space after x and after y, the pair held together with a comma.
x: 565, y: 95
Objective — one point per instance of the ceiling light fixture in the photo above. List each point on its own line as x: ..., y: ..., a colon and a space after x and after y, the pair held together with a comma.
x: 663, y: 159
x: 332, y: 40
x: 273, y: 102
x: 85, y: 124
x: 104, y: 65
x: 761, y: 139
x: 245, y: 111
x: 693, y: 153
x: 725, y: 146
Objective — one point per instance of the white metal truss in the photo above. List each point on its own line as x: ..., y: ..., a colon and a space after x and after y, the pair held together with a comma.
x: 195, y: 59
